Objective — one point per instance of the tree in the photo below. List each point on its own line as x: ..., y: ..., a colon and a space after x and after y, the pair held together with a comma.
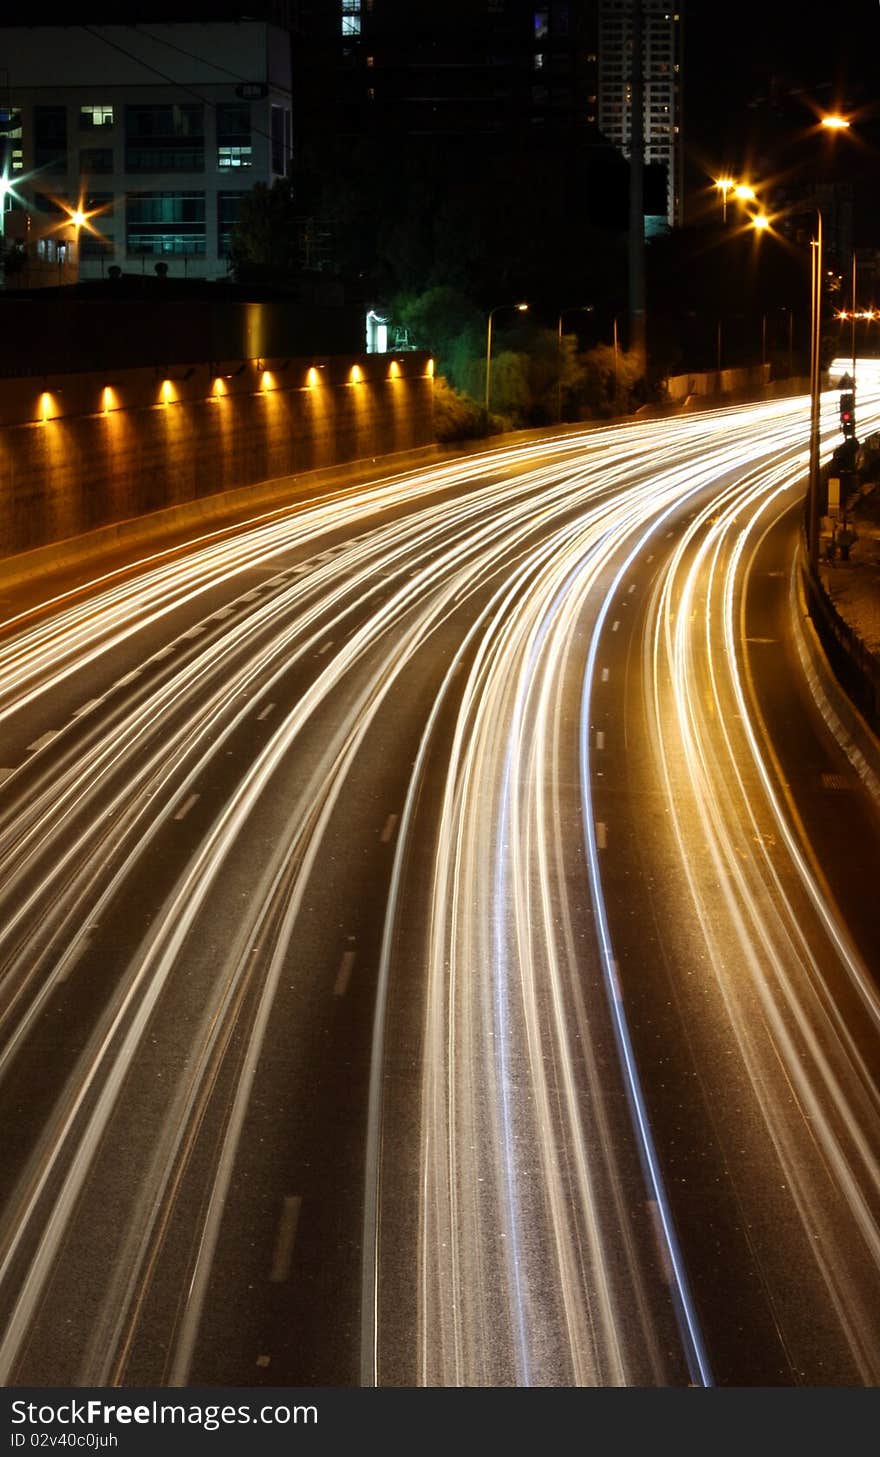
x: 266, y: 238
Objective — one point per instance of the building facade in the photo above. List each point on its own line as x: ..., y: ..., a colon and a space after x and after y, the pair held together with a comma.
x: 663, y: 66
x: 131, y: 146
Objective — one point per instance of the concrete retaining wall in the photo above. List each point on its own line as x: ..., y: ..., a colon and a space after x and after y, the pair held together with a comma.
x: 80, y: 451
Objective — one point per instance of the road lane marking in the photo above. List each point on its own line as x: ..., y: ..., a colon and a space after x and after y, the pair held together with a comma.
x: 162, y: 653
x: 186, y: 807
x: 270, y: 708
x: 389, y: 829
x: 343, y: 975
x: 325, y: 649
x: 74, y: 955
x: 41, y: 742
x: 195, y: 631
x: 5, y: 773
x: 87, y: 707
x: 601, y: 835
x: 224, y: 612
x: 129, y: 677
x: 631, y: 588
x: 600, y: 739
x: 615, y: 626
x: 660, y: 1241
x: 606, y: 674
x: 284, y: 1241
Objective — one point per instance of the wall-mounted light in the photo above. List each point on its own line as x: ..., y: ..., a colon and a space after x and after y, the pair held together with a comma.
x: 355, y: 374
x: 429, y: 369
x: 109, y: 400
x: 218, y: 389
x: 394, y: 369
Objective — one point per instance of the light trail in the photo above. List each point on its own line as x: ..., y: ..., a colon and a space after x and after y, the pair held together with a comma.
x: 546, y: 1250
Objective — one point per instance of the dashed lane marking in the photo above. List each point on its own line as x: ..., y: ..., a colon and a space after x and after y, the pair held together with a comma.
x: 615, y: 626
x: 270, y: 708
x: 343, y: 975
x: 600, y: 739
x: 601, y: 835
x: 129, y: 677
x: 87, y: 707
x: 195, y: 631
x: 5, y: 773
x: 186, y: 807
x: 325, y: 649
x: 285, y: 1239
x: 41, y: 742
x: 224, y: 612
x: 389, y: 829
x: 606, y: 674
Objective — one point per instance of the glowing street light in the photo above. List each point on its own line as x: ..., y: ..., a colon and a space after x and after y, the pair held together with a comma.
x: 835, y: 122
x: 761, y: 222
x: 520, y: 308
x: 743, y: 192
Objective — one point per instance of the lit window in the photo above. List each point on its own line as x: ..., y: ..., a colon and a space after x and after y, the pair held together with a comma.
x: 351, y: 17
x: 95, y: 116
x: 235, y: 157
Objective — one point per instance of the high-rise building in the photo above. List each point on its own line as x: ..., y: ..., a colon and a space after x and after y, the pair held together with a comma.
x: 449, y: 67
x: 662, y: 63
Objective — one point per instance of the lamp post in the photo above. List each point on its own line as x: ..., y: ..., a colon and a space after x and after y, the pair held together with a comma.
x: 815, y: 374
x: 521, y: 308
x: 832, y: 123
x: 570, y: 309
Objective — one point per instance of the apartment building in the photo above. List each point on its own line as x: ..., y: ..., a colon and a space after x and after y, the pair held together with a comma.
x: 663, y: 63
x: 131, y: 145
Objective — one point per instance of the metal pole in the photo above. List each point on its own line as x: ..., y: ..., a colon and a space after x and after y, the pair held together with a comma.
x: 559, y: 371
x: 815, y: 378
x: 637, y: 317
x: 855, y: 401
x: 763, y: 340
x: 488, y: 360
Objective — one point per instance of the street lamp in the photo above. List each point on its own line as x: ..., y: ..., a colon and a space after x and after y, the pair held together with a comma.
x: 570, y: 309
x: 815, y: 372
x: 521, y: 308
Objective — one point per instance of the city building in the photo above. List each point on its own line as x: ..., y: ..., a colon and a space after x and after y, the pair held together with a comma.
x: 130, y: 146
x: 662, y: 53
x: 448, y: 68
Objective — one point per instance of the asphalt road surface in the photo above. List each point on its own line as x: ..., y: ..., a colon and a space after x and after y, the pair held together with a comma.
x: 438, y: 938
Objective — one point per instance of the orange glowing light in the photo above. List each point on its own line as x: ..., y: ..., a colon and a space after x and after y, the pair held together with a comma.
x: 394, y: 370
x: 430, y: 369
x: 46, y: 407
x: 219, y: 389
x: 108, y: 399
x: 267, y: 380
x: 313, y: 377
x: 167, y: 391
x: 356, y: 374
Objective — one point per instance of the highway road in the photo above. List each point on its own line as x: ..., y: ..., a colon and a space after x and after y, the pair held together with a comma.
x: 438, y: 938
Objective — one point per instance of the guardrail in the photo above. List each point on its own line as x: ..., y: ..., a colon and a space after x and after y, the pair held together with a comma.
x: 856, y: 669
